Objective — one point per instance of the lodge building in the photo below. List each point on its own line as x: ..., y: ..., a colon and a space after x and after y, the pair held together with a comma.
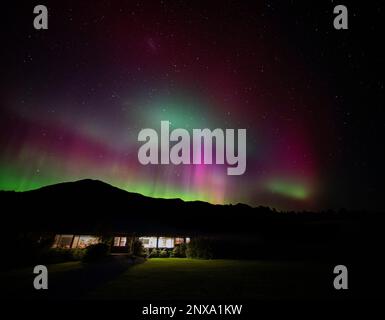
x: 122, y: 243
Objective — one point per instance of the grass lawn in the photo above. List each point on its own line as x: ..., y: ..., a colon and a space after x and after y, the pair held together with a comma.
x: 186, y: 279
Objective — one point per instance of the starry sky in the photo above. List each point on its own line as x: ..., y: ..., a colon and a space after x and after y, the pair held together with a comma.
x: 75, y: 96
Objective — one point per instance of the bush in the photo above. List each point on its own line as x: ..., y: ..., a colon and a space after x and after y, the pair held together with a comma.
x: 57, y: 255
x: 175, y: 253
x: 154, y: 253
x: 107, y: 239
x: 146, y: 252
x: 138, y: 249
x: 199, y: 248
x: 183, y: 248
x: 78, y: 254
x: 163, y: 254
x: 27, y: 248
x: 96, y: 252
x: 179, y: 251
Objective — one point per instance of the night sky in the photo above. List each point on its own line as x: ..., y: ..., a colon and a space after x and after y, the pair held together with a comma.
x: 74, y: 98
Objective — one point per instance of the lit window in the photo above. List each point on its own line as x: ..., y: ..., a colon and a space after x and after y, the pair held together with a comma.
x: 84, y: 241
x: 148, y: 242
x: 187, y: 240
x: 69, y: 241
x: 56, y: 241
x: 75, y: 243
x: 120, y: 241
x: 179, y: 240
x: 63, y: 241
x: 166, y: 242
x: 123, y: 241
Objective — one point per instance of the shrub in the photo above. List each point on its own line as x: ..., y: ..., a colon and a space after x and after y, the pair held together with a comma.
x: 138, y: 249
x: 154, y: 253
x: 107, y: 239
x: 57, y: 255
x: 191, y: 251
x: 146, y: 252
x: 27, y: 248
x: 183, y: 248
x: 96, y: 252
x: 199, y: 248
x: 163, y: 254
x: 175, y: 252
x: 78, y: 254
x: 179, y: 251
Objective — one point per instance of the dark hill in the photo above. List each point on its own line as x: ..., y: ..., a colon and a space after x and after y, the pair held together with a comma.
x: 89, y: 204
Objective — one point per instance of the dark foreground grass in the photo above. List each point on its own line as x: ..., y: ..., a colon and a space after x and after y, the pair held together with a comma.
x: 18, y: 283
x: 186, y: 279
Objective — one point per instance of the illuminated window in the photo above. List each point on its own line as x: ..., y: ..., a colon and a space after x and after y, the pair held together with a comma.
x: 187, y: 240
x: 120, y: 241
x: 75, y: 243
x: 179, y: 240
x: 69, y: 241
x: 56, y: 241
x: 166, y: 242
x: 63, y: 241
x: 85, y: 241
x: 148, y: 242
x: 123, y: 241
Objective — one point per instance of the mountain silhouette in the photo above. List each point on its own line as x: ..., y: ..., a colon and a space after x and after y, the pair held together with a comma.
x: 89, y: 204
